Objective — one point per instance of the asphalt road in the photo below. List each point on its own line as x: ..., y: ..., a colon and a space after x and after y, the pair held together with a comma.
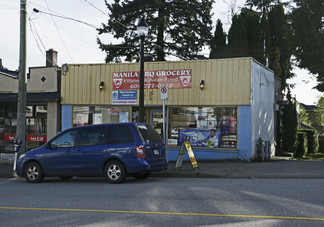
x: 162, y: 202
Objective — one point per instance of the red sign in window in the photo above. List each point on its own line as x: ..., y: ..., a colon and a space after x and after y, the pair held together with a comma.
x: 29, y: 138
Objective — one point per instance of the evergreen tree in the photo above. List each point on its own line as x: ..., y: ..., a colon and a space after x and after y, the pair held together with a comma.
x: 289, y: 126
x: 303, y: 115
x: 308, y: 26
x: 218, y: 42
x: 279, y: 42
x: 245, y: 36
x: 176, y: 27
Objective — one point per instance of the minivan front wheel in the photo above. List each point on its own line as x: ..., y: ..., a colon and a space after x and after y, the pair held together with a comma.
x: 33, y: 173
x: 115, y: 172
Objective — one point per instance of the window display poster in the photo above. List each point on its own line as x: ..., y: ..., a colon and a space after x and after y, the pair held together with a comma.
x: 123, y: 117
x: 97, y: 119
x: 200, y: 137
x: 82, y: 119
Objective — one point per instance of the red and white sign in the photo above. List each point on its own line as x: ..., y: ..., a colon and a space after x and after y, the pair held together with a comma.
x: 177, y: 78
x: 164, y: 93
x: 36, y: 138
x: 29, y: 138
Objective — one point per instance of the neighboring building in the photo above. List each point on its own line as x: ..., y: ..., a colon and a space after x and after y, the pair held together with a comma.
x: 43, y: 109
x: 231, y: 98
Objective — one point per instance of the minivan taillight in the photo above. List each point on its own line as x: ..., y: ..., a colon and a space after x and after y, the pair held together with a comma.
x: 140, y: 151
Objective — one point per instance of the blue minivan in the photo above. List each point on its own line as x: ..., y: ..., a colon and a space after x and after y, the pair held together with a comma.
x: 110, y: 150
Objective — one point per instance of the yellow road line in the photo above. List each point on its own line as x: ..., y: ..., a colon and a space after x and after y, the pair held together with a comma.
x: 164, y: 213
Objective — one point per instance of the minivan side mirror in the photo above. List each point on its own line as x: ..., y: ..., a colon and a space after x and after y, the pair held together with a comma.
x: 50, y: 146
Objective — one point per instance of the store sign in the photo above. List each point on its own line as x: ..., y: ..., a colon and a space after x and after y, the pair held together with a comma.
x: 124, y: 97
x: 29, y: 138
x: 178, y: 78
x: 186, y: 146
x: 114, y: 110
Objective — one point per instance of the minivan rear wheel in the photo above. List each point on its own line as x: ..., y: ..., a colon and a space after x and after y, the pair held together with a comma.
x: 115, y: 172
x: 33, y: 172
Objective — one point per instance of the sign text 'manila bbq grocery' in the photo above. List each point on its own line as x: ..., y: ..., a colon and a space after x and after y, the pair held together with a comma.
x: 178, y: 78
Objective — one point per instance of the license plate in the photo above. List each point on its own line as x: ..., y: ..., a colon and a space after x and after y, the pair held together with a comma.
x: 156, y: 152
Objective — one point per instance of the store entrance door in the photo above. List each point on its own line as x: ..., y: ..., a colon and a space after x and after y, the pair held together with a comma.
x: 156, y: 120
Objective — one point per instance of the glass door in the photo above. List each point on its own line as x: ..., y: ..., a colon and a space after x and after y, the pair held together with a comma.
x: 156, y: 120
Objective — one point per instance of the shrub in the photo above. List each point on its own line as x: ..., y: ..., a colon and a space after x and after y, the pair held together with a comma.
x: 313, y: 142
x: 302, y: 145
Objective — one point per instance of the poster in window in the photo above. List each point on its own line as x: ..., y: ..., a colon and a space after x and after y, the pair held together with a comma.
x: 123, y: 117
x: 200, y: 137
x: 82, y: 119
x: 97, y: 119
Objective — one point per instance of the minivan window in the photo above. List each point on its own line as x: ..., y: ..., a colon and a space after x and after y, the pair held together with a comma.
x: 149, y: 134
x: 66, y: 139
x: 119, y: 134
x: 92, y: 136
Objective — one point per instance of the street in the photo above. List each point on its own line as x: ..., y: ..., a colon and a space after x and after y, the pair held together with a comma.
x: 162, y: 202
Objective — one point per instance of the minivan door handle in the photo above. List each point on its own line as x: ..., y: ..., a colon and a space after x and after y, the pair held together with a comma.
x: 78, y: 149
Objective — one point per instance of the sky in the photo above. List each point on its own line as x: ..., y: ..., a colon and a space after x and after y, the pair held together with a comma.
x: 76, y: 42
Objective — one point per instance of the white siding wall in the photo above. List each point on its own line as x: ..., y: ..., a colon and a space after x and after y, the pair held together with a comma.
x: 262, y: 101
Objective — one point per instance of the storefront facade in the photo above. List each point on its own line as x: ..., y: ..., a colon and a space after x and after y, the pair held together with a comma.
x: 42, y: 111
x: 221, y: 106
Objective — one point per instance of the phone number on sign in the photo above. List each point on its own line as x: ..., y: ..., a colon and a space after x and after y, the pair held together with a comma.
x: 152, y: 86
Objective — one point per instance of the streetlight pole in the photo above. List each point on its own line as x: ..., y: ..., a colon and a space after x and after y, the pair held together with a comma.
x: 142, y: 31
x: 141, y: 83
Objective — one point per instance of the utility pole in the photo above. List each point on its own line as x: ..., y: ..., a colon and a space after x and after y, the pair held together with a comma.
x: 22, y: 80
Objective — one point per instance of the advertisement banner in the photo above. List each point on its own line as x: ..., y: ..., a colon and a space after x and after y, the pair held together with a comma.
x: 186, y: 146
x: 177, y: 78
x: 200, y: 137
x: 191, y: 154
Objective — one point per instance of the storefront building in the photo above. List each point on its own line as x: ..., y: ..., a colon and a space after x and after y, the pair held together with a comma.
x: 221, y: 106
x: 43, y: 110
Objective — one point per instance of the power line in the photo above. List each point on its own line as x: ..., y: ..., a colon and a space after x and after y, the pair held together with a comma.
x: 63, y: 17
x: 35, y: 36
x: 59, y: 32
x: 95, y: 7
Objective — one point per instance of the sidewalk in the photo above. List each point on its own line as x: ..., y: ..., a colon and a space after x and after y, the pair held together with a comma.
x: 231, y: 169
x: 237, y: 169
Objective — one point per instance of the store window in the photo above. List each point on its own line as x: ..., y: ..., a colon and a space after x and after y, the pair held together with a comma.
x: 92, y: 115
x: 213, y: 127
x: 36, y: 125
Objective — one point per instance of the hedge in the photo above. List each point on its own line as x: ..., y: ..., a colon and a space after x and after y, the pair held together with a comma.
x: 302, y: 148
x: 313, y: 142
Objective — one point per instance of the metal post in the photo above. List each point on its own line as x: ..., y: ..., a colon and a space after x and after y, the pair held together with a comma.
x: 141, y: 83
x: 164, y: 133
x: 22, y: 82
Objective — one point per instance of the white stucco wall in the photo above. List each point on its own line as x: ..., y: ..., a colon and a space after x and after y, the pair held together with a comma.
x: 34, y: 83
x: 262, y: 103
